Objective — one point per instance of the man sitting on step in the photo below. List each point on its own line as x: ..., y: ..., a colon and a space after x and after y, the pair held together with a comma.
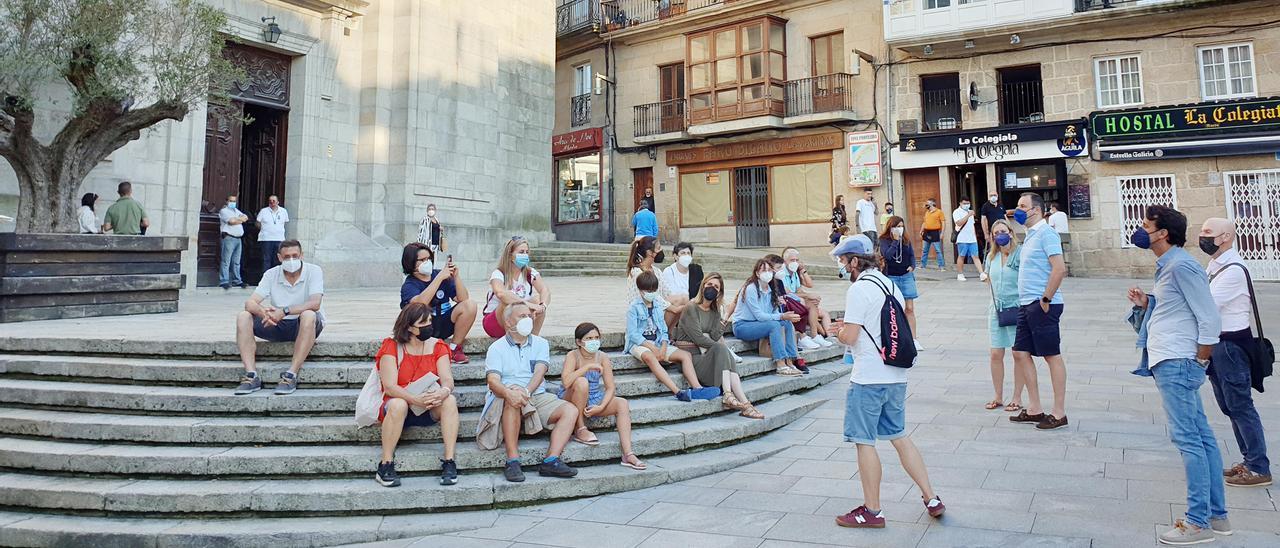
x: 284, y: 307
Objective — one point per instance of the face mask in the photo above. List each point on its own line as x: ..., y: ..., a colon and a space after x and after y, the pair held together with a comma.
x: 1020, y: 216
x: 929, y: 205
x: 994, y: 200
x: 522, y: 260
x: 1207, y: 245
x: 766, y: 276
x: 965, y: 207
x: 1141, y: 238
x: 524, y: 327
x: 591, y: 346
x: 685, y: 260
x: 793, y: 266
x: 710, y: 293
x: 649, y: 295
x: 1003, y: 239
x: 291, y: 265
x: 888, y: 210
x: 431, y: 213
x: 231, y: 205
x: 426, y: 268
x: 897, y: 231
x: 423, y: 333
x: 661, y: 256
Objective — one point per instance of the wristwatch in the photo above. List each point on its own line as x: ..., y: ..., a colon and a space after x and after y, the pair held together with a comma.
x: 1046, y: 300
x: 286, y: 311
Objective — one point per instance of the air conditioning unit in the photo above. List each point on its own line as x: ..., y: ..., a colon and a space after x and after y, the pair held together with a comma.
x: 908, y: 127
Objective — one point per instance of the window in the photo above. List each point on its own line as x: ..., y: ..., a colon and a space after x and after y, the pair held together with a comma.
x: 1021, y: 95
x: 705, y: 198
x: 1136, y: 194
x: 1227, y: 71
x: 828, y: 54
x: 1119, y: 81
x: 940, y: 101
x: 737, y: 70
x: 580, y: 103
x: 800, y: 193
x: 582, y: 79
x: 578, y: 189
x: 935, y: 4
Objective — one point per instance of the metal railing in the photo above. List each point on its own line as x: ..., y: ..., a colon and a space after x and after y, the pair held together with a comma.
x: 581, y: 105
x: 620, y: 14
x: 575, y: 15
x: 940, y: 109
x: 661, y: 117
x: 828, y: 93
x: 1021, y: 102
x: 1095, y: 5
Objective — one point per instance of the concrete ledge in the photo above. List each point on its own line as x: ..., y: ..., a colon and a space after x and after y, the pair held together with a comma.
x: 661, y: 138
x: 821, y: 118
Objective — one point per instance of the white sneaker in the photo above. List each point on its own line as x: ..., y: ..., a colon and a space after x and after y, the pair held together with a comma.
x: 736, y: 357
x: 961, y: 277
x: 806, y: 342
x: 918, y: 347
x: 982, y: 277
x: 823, y: 342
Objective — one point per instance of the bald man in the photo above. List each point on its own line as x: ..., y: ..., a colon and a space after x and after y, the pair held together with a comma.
x: 1230, y: 370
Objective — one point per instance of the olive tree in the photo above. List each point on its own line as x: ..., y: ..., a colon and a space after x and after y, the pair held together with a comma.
x: 82, y: 78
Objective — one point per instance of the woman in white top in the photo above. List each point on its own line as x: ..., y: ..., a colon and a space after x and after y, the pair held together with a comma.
x: 644, y: 253
x: 515, y: 281
x: 88, y: 221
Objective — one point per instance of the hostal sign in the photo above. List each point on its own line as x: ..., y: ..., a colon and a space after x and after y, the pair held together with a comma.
x: 1188, y: 121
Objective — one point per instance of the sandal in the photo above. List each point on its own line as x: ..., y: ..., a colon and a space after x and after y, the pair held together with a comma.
x: 993, y: 404
x: 591, y: 441
x: 751, y: 412
x: 788, y: 371
x: 1012, y: 407
x: 631, y: 461
x: 731, y: 402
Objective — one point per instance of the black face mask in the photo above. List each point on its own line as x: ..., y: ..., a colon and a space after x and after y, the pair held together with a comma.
x: 661, y: 256
x: 1207, y: 245
x: 709, y: 293
x: 423, y: 333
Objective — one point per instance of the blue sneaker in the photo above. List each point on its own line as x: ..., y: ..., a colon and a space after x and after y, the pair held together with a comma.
x: 685, y: 395
x: 705, y: 393
x: 288, y: 383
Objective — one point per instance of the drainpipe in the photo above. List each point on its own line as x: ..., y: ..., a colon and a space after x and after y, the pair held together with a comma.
x: 611, y: 108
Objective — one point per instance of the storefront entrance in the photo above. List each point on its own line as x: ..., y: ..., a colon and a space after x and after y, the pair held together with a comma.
x: 1253, y: 202
x: 751, y: 206
x: 921, y: 186
x: 970, y: 182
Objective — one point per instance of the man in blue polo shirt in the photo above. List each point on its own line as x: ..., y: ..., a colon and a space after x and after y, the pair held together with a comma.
x: 1039, y: 277
x: 645, y: 223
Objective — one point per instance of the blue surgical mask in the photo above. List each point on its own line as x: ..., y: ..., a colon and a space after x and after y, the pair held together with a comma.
x: 522, y: 260
x: 1003, y: 239
x: 1141, y: 238
x: 231, y: 205
x: 1020, y: 216
x: 591, y: 346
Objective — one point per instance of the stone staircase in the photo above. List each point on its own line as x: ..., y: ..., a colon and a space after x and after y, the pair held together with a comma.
x: 110, y: 442
x: 594, y: 259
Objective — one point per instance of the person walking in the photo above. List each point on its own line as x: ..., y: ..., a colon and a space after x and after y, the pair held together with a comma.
x: 431, y: 232
x: 1040, y: 274
x: 1231, y: 369
x: 991, y: 212
x: 931, y: 234
x: 88, y: 221
x: 645, y: 223
x: 1058, y: 219
x: 866, y: 211
x: 125, y: 217
x: 231, y: 226
x: 839, y: 217
x: 1002, y: 266
x: 900, y: 267
x: 1178, y: 327
x: 271, y: 221
x: 966, y: 239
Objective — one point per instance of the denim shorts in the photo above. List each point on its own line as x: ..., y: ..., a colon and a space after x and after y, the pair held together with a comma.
x: 967, y: 249
x: 907, y: 285
x: 875, y: 412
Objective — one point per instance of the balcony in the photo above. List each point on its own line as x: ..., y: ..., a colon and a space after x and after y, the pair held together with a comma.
x: 581, y: 105
x: 940, y: 109
x: 660, y: 122
x: 1021, y: 103
x: 819, y: 99
x: 575, y: 15
x: 909, y: 22
x: 1096, y: 5
x: 620, y: 14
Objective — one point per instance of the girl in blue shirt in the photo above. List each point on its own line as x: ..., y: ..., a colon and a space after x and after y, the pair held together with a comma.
x: 757, y: 316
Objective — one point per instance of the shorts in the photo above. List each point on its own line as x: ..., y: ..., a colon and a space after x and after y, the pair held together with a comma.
x: 546, y: 403
x: 967, y: 249
x: 875, y: 412
x: 1037, y: 331
x: 442, y: 325
x: 907, y: 285
x: 425, y: 419
x: 492, y: 327
x: 285, y: 331
x: 639, y: 350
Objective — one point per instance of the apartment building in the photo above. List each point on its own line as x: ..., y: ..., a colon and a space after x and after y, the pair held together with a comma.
x: 739, y: 116
x: 1102, y: 106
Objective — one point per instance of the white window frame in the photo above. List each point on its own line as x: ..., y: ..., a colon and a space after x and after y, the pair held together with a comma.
x: 924, y: 5
x: 580, y: 81
x: 1253, y: 70
x: 1128, y: 225
x: 1097, y: 80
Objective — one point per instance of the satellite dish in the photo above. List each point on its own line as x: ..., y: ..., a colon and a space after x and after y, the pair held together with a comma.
x: 973, y: 96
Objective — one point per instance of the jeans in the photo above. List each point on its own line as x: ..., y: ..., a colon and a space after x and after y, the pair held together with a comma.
x: 1230, y: 377
x: 229, y: 267
x: 269, y: 252
x: 782, y: 336
x: 924, y: 253
x: 1179, y: 383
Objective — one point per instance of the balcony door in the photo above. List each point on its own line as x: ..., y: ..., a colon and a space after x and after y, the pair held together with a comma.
x: 671, y: 96
x: 1021, y: 95
x: 581, y: 102
x: 940, y: 101
x: 828, y: 61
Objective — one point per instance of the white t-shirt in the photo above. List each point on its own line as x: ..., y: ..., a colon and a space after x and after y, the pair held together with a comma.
x: 523, y: 287
x: 967, y: 235
x: 1059, y: 222
x: 272, y: 224
x: 862, y: 305
x: 277, y: 290
x: 866, y: 216
x: 88, y: 221
x: 674, y: 281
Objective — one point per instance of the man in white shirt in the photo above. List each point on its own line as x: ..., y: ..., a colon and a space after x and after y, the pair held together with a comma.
x: 284, y: 308
x: 865, y: 209
x: 875, y: 406
x: 1057, y: 219
x: 231, y: 228
x: 1230, y: 370
x: 271, y: 221
x: 966, y: 239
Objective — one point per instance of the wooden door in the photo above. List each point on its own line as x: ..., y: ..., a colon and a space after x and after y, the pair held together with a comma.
x: 221, y: 179
x: 261, y: 175
x: 641, y: 178
x: 751, y: 206
x: 921, y: 185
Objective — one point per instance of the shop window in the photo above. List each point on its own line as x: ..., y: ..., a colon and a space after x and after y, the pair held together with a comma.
x: 1138, y: 193
x: 1119, y: 81
x: 731, y: 66
x: 705, y: 199
x: 800, y: 193
x: 1226, y: 71
x: 578, y: 189
x: 940, y: 101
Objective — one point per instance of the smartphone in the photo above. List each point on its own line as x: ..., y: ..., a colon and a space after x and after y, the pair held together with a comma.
x: 449, y: 258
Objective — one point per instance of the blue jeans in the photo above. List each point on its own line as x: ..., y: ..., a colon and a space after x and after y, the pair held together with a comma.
x: 229, y: 269
x: 1230, y: 377
x: 1179, y: 383
x: 924, y: 253
x: 270, y: 250
x: 782, y: 336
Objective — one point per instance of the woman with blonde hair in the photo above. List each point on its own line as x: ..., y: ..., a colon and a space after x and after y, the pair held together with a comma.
x: 515, y: 281
x: 701, y: 333
x: 1002, y: 271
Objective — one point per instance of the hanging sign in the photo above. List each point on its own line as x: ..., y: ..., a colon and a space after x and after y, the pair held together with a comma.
x: 864, y: 159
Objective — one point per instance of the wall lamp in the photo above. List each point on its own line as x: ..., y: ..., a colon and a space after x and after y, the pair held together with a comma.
x: 271, y: 33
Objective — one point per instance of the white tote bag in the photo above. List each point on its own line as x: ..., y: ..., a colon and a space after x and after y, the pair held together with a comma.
x: 369, y: 404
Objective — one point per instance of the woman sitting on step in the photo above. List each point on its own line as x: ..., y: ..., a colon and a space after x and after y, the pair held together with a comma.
x: 514, y: 281
x: 408, y: 359
x: 756, y: 316
x: 587, y: 381
x: 701, y: 330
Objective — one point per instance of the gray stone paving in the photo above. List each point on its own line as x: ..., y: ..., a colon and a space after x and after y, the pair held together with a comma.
x: 1110, y: 479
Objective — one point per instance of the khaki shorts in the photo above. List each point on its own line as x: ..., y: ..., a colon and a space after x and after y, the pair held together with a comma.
x: 546, y: 403
x: 638, y: 351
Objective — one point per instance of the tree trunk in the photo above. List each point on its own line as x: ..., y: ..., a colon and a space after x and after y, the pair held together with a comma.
x: 47, y: 195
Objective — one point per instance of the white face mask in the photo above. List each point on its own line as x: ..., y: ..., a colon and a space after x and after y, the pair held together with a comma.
x: 524, y: 327
x: 291, y: 265
x: 793, y: 266
x: 994, y: 200
x: 685, y: 260
x: 766, y: 276
x: 426, y: 267
x: 897, y: 231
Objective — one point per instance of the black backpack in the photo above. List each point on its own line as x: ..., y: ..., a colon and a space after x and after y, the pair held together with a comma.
x: 897, y: 347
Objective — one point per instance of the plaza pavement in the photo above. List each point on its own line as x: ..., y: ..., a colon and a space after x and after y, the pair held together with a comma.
x: 1109, y: 479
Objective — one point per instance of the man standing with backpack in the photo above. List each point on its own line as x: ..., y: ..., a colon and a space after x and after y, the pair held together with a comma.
x: 876, y: 330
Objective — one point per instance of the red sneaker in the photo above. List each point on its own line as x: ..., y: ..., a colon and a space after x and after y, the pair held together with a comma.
x: 935, y: 506
x: 861, y: 518
x: 458, y: 357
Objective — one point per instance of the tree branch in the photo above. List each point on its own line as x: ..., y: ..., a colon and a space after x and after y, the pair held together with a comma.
x: 100, y: 141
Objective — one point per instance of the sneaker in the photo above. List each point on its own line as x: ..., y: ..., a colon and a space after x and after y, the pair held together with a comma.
x: 387, y: 476
x: 1249, y: 478
x: 288, y: 383
x: 736, y: 357
x: 960, y: 277
x: 807, y: 343
x: 225, y: 286
x: 1235, y: 469
x: 935, y: 507
x: 861, y: 518
x: 1051, y: 422
x: 513, y: 473
x: 249, y: 383
x: 448, y: 472
x: 1027, y: 418
x: 1184, y: 534
x: 1221, y: 526
x: 458, y: 356
x: 556, y: 469
x: 802, y: 366
x: 685, y: 395
x: 243, y: 285
x: 705, y: 393
x: 823, y: 342
x: 982, y: 277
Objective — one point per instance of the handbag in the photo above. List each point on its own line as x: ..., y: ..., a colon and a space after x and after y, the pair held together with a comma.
x: 369, y: 403
x: 1262, y: 354
x: 1005, y: 317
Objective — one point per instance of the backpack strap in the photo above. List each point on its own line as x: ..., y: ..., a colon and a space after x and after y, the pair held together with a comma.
x: 1253, y: 298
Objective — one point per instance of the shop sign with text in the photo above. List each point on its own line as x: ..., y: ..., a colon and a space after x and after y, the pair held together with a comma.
x: 1236, y: 117
x: 749, y: 149
x: 577, y: 141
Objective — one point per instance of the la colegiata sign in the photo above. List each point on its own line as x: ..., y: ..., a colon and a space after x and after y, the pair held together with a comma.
x: 1235, y: 117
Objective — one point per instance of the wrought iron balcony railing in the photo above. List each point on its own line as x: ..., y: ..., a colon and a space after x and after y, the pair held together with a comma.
x: 620, y: 14
x: 661, y: 117
x: 940, y: 109
x: 828, y: 93
x: 575, y: 15
x: 581, y: 105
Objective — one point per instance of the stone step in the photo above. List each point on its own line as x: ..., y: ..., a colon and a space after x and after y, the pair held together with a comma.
x: 347, y: 496
x: 338, y: 428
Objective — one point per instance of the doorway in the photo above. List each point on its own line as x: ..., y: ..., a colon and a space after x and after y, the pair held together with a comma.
x: 971, y: 182
x: 751, y: 206
x: 921, y: 185
x: 642, y: 180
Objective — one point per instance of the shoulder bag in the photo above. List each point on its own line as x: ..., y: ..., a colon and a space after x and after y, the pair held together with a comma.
x: 1005, y: 317
x: 1262, y: 355
x: 369, y: 403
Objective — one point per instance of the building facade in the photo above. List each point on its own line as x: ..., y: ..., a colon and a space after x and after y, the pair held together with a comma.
x: 360, y: 114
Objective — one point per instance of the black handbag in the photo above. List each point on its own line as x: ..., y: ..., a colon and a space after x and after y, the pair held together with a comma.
x: 1006, y: 317
x: 1262, y: 354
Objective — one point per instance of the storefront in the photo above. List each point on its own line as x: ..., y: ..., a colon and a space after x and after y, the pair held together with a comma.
x: 577, y: 212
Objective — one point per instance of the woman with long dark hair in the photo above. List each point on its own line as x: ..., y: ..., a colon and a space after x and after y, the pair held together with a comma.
x: 88, y: 221
x: 757, y: 316
x: 838, y: 216
x: 900, y: 266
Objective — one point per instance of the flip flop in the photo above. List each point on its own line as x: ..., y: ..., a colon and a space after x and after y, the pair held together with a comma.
x: 993, y: 404
x: 638, y: 465
x: 1012, y: 407
x: 591, y: 442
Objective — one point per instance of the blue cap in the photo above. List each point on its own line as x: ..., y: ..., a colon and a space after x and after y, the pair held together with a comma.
x: 858, y: 244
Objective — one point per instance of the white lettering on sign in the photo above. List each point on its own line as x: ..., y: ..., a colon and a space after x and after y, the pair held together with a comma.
x: 988, y: 139
x: 986, y: 152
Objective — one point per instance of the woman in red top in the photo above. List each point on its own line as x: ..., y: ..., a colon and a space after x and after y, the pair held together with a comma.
x: 408, y: 355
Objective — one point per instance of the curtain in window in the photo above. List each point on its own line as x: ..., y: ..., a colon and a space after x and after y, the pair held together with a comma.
x: 801, y: 193
x: 705, y: 198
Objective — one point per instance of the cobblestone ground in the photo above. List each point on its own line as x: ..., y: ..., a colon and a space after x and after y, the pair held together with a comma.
x: 1110, y: 479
